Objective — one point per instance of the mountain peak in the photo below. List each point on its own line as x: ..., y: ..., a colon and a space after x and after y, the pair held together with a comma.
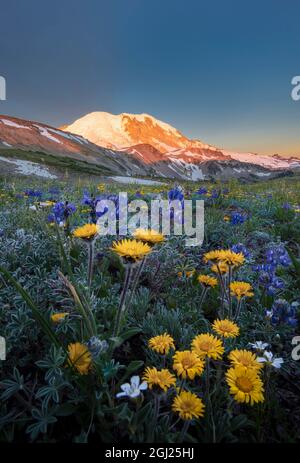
x: 137, y: 133
x: 119, y: 131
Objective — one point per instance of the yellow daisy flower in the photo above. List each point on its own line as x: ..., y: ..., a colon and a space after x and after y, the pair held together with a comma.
x: 57, y: 317
x: 187, y: 364
x: 148, y: 236
x: 231, y: 258
x: 188, y: 406
x: 47, y: 203
x: 207, y: 281
x: 207, y: 345
x: 80, y: 357
x: 162, y: 343
x: 163, y: 379
x: 244, y: 358
x: 186, y: 273
x: 190, y: 273
x: 220, y: 267
x: 212, y: 256
x: 131, y: 250
x: 245, y: 385
x: 241, y: 289
x: 86, y: 232
x: 226, y: 328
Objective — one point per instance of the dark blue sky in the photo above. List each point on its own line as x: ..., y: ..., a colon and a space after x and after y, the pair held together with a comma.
x: 217, y: 70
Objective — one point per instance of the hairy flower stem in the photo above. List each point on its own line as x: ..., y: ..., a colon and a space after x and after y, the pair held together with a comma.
x: 238, y: 310
x: 208, y: 398
x: 184, y: 429
x: 229, y: 293
x: 136, y: 280
x: 121, y: 307
x: 207, y: 382
x: 182, y: 383
x: 223, y: 291
x: 90, y: 262
x: 202, y: 297
x: 156, y: 413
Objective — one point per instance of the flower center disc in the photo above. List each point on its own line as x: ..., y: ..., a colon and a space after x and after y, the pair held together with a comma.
x: 244, y: 384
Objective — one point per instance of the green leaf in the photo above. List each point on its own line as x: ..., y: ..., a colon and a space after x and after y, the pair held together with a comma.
x: 131, y: 368
x: 124, y: 336
x: 142, y: 415
x: 37, y: 315
x: 66, y: 409
x: 295, y: 262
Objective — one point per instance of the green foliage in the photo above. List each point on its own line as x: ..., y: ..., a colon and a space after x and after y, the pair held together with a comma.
x: 43, y: 271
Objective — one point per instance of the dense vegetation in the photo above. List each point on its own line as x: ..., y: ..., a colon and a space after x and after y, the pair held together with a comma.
x: 81, y: 318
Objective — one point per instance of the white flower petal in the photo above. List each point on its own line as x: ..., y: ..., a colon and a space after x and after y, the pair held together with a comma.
x: 135, y: 393
x: 261, y: 359
x: 121, y: 394
x: 259, y: 345
x: 277, y: 362
x: 126, y: 387
x: 135, y: 381
x: 143, y: 386
x: 268, y: 355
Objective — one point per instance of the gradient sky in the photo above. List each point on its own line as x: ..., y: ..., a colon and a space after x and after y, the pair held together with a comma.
x: 220, y: 70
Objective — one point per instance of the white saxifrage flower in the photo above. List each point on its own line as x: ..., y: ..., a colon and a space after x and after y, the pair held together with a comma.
x: 132, y: 389
x: 259, y: 345
x: 269, y: 359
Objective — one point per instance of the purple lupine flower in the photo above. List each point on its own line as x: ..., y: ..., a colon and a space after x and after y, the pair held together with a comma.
x: 286, y: 206
x: 271, y: 282
x: 175, y: 194
x: 215, y: 194
x: 54, y: 191
x: 240, y: 248
x: 278, y: 256
x: 202, y: 191
x: 61, y: 211
x: 33, y: 193
x: 283, y: 313
x: 237, y: 218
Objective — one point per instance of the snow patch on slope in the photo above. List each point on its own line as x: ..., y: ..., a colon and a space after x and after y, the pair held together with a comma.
x: 43, y: 131
x: 14, y: 124
x: 265, y: 161
x: 29, y: 168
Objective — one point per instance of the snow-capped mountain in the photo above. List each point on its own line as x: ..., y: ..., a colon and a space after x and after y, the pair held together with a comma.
x: 136, y: 145
x: 152, y: 141
x: 125, y: 130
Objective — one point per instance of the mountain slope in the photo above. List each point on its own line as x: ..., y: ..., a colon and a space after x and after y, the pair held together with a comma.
x: 26, y: 135
x: 123, y: 130
x: 137, y: 133
x: 190, y: 160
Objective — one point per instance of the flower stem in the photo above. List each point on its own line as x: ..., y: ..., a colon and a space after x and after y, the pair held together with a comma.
x: 208, y: 398
x: 135, y: 281
x: 182, y: 383
x: 156, y: 414
x: 121, y: 307
x: 238, y: 310
x: 184, y: 429
x: 229, y: 293
x: 90, y: 262
x: 202, y: 297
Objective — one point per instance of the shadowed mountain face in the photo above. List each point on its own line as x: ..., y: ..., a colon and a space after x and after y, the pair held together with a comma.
x: 102, y: 139
x: 40, y: 138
